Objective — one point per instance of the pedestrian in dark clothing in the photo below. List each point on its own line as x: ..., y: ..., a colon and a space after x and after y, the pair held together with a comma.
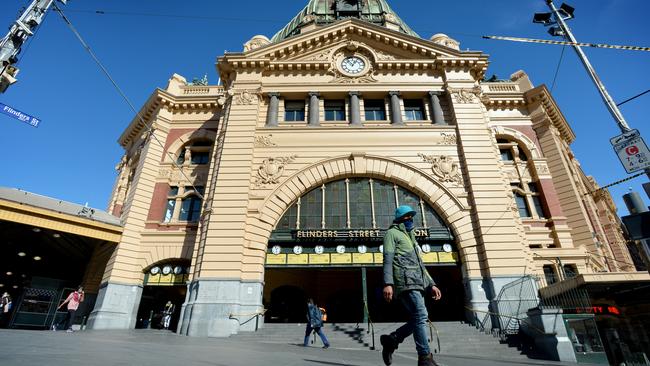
x: 406, y: 279
x: 315, y: 323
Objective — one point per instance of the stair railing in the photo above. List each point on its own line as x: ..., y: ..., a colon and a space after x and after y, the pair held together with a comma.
x: 432, y: 327
x: 255, y: 316
x: 371, y: 325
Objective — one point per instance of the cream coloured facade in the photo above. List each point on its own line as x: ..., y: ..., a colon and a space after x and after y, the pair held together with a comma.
x: 334, y: 98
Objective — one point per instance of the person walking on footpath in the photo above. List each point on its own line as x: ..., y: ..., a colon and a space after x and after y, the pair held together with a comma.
x: 167, y: 314
x: 315, y: 323
x: 6, y: 310
x: 73, y: 300
x: 406, y: 279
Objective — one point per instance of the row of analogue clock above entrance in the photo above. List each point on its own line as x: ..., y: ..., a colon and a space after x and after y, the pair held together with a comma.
x: 341, y: 249
x: 168, y: 269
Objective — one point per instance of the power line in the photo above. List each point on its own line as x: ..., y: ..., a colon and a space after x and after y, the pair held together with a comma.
x: 126, y: 99
x: 189, y: 17
x: 615, y: 183
x: 557, y: 70
x: 634, y: 97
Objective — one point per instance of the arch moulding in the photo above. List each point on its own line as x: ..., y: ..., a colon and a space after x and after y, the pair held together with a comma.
x: 175, y: 146
x: 451, y: 209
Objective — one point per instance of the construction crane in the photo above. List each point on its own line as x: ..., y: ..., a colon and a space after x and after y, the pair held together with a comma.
x: 19, y: 33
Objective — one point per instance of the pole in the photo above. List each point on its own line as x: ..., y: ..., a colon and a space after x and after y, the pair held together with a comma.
x: 19, y: 32
x: 609, y: 102
x: 364, y: 282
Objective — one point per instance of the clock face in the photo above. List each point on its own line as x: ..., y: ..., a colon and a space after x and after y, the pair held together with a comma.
x: 340, y: 249
x: 178, y: 270
x: 319, y: 249
x: 362, y: 249
x: 447, y: 248
x: 297, y: 249
x: 276, y: 250
x: 426, y: 248
x: 353, y: 65
x: 167, y: 270
x: 155, y: 270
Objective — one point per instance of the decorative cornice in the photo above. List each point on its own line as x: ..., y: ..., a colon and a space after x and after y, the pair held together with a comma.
x: 542, y: 96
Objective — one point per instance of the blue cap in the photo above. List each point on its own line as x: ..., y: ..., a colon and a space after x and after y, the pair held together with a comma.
x: 404, y: 210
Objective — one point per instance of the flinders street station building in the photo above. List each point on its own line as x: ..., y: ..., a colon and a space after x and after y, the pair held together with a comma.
x: 278, y: 185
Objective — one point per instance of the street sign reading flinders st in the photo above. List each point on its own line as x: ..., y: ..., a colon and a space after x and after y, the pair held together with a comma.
x: 279, y: 184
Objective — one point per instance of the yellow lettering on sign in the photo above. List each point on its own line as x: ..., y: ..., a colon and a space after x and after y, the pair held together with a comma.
x: 298, y: 259
x: 430, y: 257
x: 345, y: 258
x: 319, y: 259
x: 365, y: 258
x: 276, y: 259
x: 379, y: 258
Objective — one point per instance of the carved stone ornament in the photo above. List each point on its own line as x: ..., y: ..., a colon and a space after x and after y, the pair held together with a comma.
x: 382, y: 56
x: 264, y: 141
x: 449, y: 139
x: 444, y: 168
x: 352, y: 49
x: 321, y: 56
x: 247, y: 97
x: 466, y: 96
x: 542, y: 169
x: 256, y: 42
x: 272, y: 170
x: 183, y: 174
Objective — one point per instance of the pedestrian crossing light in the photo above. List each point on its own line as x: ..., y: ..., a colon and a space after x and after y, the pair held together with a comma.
x: 543, y: 18
x: 565, y: 11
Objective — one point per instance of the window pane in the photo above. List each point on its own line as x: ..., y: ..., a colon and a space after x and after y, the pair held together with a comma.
x: 169, y: 212
x: 433, y: 219
x: 200, y: 157
x: 522, y: 206
x: 311, y: 206
x: 549, y: 273
x: 294, y: 111
x: 522, y: 154
x: 334, y: 110
x: 539, y: 209
x: 360, y: 204
x: 506, y: 155
x: 414, y: 109
x: 335, y: 205
x: 181, y: 157
x: 407, y: 198
x: 190, y: 209
x: 202, y: 143
x: 375, y: 110
x: 570, y: 270
x: 173, y: 191
x: 288, y: 221
x: 384, y: 203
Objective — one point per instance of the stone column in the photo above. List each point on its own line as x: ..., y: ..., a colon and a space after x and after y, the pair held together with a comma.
x: 314, y: 109
x: 274, y: 106
x: 355, y: 109
x: 438, y: 116
x: 395, y: 108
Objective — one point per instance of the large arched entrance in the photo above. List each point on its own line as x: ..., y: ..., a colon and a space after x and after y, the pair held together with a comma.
x: 328, y: 246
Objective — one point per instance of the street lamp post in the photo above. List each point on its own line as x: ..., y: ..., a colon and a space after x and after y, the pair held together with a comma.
x: 558, y: 17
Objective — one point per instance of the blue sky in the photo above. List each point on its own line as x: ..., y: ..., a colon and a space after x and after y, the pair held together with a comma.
x: 72, y: 155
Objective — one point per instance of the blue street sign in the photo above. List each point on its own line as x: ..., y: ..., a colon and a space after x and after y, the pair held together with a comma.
x: 32, y: 121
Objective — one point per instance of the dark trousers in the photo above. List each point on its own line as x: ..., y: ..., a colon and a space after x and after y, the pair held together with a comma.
x: 4, y: 319
x: 67, y: 321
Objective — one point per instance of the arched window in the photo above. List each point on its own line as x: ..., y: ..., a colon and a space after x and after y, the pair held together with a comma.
x: 356, y: 203
x: 183, y: 204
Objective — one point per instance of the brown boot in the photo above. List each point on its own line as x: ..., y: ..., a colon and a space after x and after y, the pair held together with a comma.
x: 426, y: 360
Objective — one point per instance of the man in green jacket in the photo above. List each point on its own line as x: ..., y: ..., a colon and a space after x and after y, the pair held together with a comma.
x: 406, y: 278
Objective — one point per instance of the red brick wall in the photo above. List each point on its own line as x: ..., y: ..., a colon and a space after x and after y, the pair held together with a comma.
x: 158, y: 202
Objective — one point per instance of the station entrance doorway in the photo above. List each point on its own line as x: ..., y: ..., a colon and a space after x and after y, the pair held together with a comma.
x: 328, y: 246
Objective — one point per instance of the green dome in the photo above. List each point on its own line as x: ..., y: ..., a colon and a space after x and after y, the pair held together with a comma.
x: 329, y: 11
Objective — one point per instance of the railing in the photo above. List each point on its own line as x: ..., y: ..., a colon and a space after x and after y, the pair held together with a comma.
x: 489, y: 314
x: 255, y: 316
x: 371, y: 325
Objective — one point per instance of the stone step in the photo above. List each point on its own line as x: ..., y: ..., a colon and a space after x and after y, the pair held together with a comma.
x: 455, y: 338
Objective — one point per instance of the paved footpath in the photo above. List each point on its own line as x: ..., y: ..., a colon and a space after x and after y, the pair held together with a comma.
x: 158, y: 348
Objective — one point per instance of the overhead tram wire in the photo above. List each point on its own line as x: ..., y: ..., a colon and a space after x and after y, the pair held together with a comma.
x: 557, y: 70
x: 634, y: 97
x: 121, y: 92
x: 188, y: 17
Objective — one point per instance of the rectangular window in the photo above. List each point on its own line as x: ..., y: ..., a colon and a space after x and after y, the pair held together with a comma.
x: 375, y: 110
x: 549, y: 273
x: 169, y: 212
x: 200, y: 157
x: 294, y: 111
x: 336, y: 205
x: 537, y: 200
x: 570, y: 270
x: 191, y: 209
x: 506, y: 154
x: 335, y: 110
x: 414, y: 109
